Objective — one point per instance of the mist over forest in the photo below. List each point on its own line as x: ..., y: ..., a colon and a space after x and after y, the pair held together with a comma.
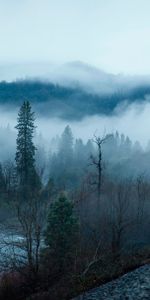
x: 79, y: 95
x: 74, y: 183
x: 76, y: 94
x: 74, y: 150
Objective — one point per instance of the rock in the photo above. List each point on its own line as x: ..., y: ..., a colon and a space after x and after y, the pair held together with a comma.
x: 134, y: 285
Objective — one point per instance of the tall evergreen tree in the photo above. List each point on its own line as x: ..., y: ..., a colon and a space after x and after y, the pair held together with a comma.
x: 63, y: 161
x: 66, y: 146
x: 28, y: 205
x: 62, y: 231
x: 25, y: 153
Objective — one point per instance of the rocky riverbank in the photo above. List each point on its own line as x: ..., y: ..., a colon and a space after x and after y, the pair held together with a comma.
x: 134, y: 285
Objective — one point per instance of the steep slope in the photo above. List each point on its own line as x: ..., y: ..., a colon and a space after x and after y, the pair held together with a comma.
x: 134, y: 285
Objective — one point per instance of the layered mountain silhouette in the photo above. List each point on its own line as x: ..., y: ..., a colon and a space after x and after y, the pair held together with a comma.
x: 71, y: 91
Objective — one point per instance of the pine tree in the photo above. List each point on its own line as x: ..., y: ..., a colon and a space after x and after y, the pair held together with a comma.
x: 66, y: 146
x: 61, y: 232
x: 64, y: 161
x: 29, y: 206
x: 25, y: 153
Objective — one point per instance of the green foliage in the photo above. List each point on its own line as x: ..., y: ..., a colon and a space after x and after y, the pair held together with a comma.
x: 62, y: 230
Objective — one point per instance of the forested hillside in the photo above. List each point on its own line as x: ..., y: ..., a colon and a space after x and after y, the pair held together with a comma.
x: 66, y: 102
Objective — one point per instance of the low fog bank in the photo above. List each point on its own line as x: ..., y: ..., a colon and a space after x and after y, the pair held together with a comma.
x: 133, y: 121
x: 128, y: 150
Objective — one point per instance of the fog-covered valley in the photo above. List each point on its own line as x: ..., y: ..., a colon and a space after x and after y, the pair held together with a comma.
x: 81, y: 148
x: 73, y: 160
x: 74, y: 147
x: 87, y: 114
x: 119, y: 103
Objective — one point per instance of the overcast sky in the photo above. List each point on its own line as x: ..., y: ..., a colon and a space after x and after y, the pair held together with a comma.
x: 113, y: 35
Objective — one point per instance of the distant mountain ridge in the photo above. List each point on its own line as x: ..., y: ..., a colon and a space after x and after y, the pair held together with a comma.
x: 74, y: 74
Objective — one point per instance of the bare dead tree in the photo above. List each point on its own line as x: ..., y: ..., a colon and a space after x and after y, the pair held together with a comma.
x: 25, y: 242
x: 97, y: 161
x: 142, y: 191
x: 10, y: 178
x: 31, y: 217
x: 97, y: 256
x: 120, y: 216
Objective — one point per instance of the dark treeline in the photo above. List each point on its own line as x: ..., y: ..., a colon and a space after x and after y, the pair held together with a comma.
x: 67, y: 102
x: 72, y: 217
